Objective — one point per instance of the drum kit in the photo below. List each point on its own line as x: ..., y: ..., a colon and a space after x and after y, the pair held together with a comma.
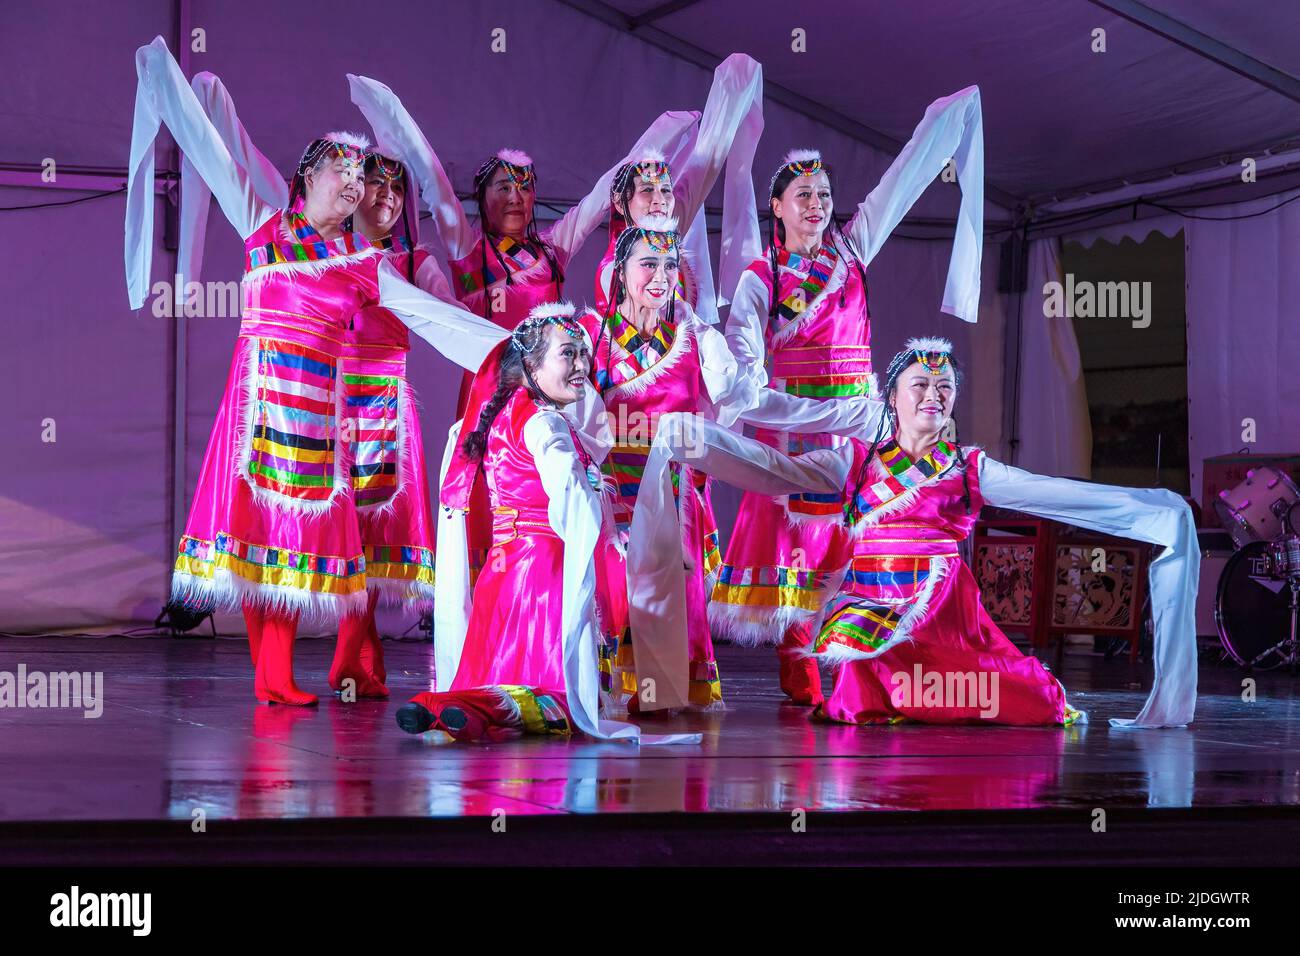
x: 1258, y: 598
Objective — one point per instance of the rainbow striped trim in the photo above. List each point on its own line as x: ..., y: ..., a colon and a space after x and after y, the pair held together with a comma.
x: 294, y: 421
x: 272, y: 567
x: 772, y: 586
x: 643, y: 352
x: 371, y: 403
x: 400, y: 563
x: 904, y: 475
x: 861, y: 626
x: 518, y: 258
x: 310, y: 247
x: 819, y: 273
x: 540, y: 713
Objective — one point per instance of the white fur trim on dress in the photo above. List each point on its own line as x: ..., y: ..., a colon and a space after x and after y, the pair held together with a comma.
x: 929, y: 344
x: 683, y: 343
x: 303, y: 270
x: 801, y: 156
x: 515, y: 157
x: 839, y: 275
x: 227, y: 591
x: 915, y: 615
x: 349, y: 139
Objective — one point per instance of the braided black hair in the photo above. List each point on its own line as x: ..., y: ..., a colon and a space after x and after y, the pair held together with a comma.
x: 889, y: 422
x: 516, y: 369
x: 531, y: 235
x: 833, y: 236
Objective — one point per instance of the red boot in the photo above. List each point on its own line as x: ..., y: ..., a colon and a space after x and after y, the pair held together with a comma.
x: 253, y: 621
x: 800, y: 679
x: 468, y: 716
x: 372, y: 652
x: 353, y: 634
x: 275, y: 663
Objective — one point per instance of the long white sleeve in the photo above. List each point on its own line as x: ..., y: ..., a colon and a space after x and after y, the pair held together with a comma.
x: 1153, y: 515
x: 746, y: 324
x: 196, y: 198
x: 430, y: 277
x: 736, y: 390
x: 656, y: 587
x: 451, y: 585
x: 460, y: 335
x: 735, y: 99
x: 953, y: 127
x: 398, y: 136
x: 779, y: 411
x: 163, y: 96
x: 572, y: 229
x: 575, y: 514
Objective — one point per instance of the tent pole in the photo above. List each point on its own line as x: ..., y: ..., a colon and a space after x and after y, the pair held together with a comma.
x: 179, y: 337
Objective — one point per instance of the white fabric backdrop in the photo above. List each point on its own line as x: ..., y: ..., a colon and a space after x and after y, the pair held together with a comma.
x: 1055, y: 430
x: 1243, y: 330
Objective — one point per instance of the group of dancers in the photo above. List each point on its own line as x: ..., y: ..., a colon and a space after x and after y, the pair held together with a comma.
x: 580, y: 578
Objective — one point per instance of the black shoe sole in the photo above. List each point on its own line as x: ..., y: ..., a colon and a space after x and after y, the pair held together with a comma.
x: 453, y: 718
x: 414, y: 718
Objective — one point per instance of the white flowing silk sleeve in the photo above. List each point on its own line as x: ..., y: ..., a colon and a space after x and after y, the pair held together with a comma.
x: 163, y: 96
x: 856, y: 416
x: 196, y: 198
x: 572, y: 229
x: 1153, y: 515
x: 430, y: 277
x: 399, y: 137
x: 451, y: 585
x: 575, y: 514
x: 745, y: 324
x: 460, y: 335
x: 734, y: 106
x: 952, y: 128
x: 656, y: 587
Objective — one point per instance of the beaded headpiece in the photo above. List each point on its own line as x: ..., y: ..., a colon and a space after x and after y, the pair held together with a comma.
x: 548, y: 313
x: 517, y: 164
x: 352, y: 148
x: 933, y: 353
x: 390, y: 169
x: 659, y: 232
x: 801, y: 162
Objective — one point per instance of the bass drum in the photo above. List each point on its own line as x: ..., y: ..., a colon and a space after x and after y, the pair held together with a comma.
x: 1253, y: 607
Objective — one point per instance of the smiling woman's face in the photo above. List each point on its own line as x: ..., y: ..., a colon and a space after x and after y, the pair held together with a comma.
x: 335, y: 187
x: 805, y: 207
x: 380, y: 206
x: 649, y: 276
x: 563, y: 369
x: 923, y: 401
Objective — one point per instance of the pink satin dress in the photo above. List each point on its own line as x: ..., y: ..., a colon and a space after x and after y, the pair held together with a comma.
x: 641, y: 377
x: 515, y: 635
x: 390, y: 481
x: 912, y: 635
x: 273, y: 523
x: 779, y: 564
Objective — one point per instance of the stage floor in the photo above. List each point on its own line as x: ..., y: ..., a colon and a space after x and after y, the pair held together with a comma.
x: 180, y: 732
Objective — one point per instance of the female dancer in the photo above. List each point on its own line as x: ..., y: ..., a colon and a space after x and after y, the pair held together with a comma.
x: 654, y: 355
x: 906, y: 624
x: 801, y: 313
x: 273, y: 527
x: 388, y: 470
x: 728, y: 133
x: 523, y: 652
